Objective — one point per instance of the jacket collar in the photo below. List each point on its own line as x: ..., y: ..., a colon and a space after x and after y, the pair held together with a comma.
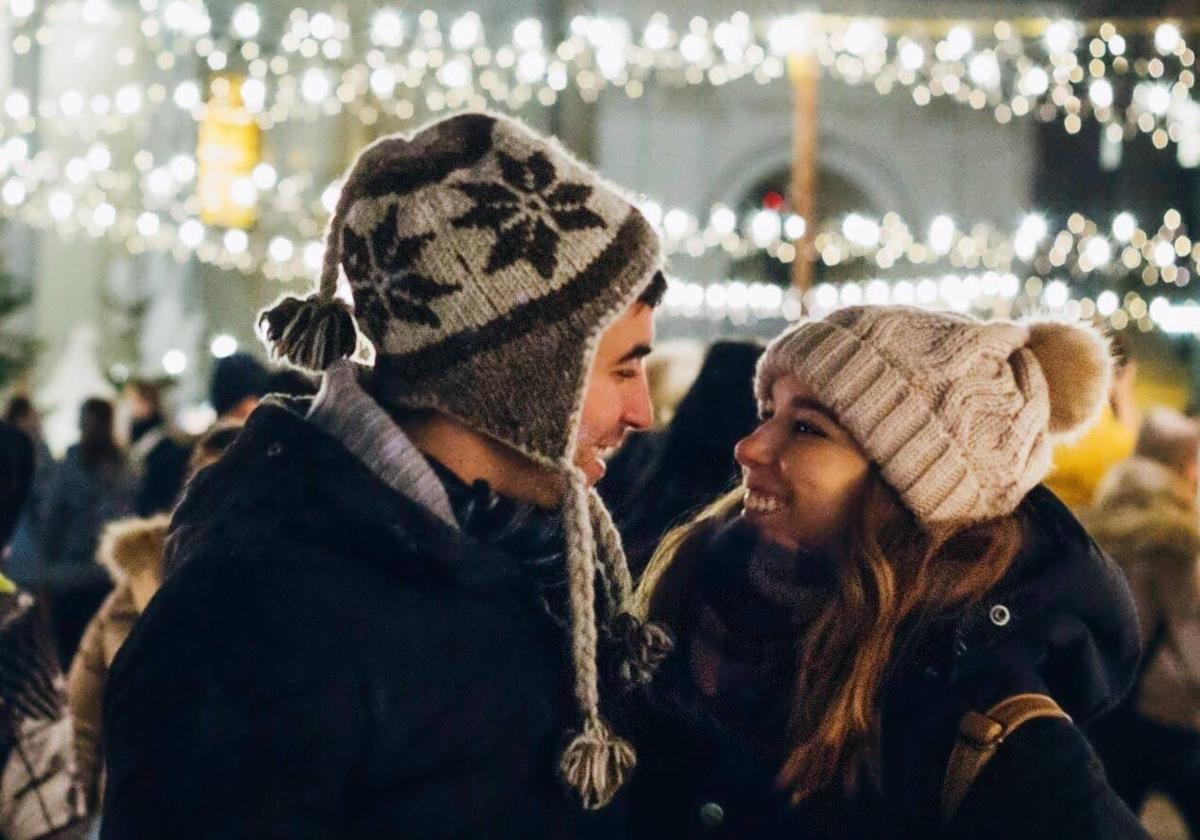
x: 344, y: 411
x: 1061, y: 622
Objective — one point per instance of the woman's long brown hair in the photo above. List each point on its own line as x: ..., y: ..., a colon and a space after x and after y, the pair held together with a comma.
x: 894, y: 571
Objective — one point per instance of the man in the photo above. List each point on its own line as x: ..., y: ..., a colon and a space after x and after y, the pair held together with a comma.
x: 238, y: 383
x: 157, y: 452
x: 390, y: 612
x: 1145, y: 517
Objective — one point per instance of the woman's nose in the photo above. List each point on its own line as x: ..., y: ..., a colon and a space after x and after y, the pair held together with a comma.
x: 753, y: 450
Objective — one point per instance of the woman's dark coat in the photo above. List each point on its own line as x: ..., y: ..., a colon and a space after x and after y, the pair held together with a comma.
x: 1067, y: 629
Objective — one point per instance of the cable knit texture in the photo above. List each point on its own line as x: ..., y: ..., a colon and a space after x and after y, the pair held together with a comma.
x: 958, y: 414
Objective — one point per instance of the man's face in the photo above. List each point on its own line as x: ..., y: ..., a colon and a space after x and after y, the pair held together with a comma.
x: 618, y: 396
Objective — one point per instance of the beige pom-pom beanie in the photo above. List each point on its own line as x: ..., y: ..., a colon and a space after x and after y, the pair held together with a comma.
x: 959, y: 415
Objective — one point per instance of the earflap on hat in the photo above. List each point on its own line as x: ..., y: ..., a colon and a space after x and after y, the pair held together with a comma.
x: 1076, y: 361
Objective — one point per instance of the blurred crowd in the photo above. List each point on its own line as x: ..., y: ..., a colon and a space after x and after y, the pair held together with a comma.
x: 83, y: 543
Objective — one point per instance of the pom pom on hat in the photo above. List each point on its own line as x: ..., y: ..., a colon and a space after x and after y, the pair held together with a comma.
x: 1076, y: 361
x: 313, y: 332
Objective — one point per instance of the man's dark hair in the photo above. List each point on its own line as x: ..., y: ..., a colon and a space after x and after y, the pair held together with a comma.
x: 97, y: 442
x: 653, y: 294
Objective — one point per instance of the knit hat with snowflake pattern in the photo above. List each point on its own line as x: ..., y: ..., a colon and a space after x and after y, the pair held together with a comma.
x: 484, y: 263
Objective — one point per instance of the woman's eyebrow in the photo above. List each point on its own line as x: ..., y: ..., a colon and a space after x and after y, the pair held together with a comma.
x: 813, y: 405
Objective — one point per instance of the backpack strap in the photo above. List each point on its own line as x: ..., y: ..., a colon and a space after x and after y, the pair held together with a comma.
x: 980, y: 735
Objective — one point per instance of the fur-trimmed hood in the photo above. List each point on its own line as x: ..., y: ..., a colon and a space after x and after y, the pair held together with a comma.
x: 132, y: 546
x: 1143, y: 512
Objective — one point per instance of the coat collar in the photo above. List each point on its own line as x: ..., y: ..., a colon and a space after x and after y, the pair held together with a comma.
x: 349, y: 415
x: 1061, y: 622
x: 287, y: 481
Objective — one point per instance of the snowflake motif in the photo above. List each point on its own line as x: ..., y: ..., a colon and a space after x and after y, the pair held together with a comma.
x: 385, y: 283
x: 529, y: 212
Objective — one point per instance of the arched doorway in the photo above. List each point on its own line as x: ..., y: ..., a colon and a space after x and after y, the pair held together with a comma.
x: 837, y: 196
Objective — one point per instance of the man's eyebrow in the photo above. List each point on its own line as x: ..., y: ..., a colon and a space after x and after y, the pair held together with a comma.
x: 813, y: 405
x: 639, y: 352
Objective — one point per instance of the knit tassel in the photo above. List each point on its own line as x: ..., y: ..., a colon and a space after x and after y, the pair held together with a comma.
x: 312, y: 333
x: 647, y: 644
x: 596, y: 763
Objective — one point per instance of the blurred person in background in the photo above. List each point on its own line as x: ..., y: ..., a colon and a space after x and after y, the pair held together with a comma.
x: 132, y: 552
x: 1145, y: 516
x: 238, y: 383
x: 670, y: 372
x: 40, y: 795
x: 93, y: 486
x: 158, y: 454
x: 659, y: 477
x: 1080, y: 465
x: 24, y: 556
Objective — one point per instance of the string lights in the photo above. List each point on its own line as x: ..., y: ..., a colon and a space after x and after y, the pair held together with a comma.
x: 989, y: 293
x: 1133, y: 77
x: 392, y: 63
x: 982, y: 268
x: 1082, y: 246
x: 160, y: 212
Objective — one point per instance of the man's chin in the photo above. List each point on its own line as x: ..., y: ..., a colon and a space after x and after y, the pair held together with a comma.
x: 593, y: 469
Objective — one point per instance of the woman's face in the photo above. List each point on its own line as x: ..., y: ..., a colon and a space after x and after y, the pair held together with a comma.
x: 804, y: 475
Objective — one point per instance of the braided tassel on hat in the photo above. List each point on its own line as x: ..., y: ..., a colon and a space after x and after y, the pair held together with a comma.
x: 646, y: 642
x: 596, y: 761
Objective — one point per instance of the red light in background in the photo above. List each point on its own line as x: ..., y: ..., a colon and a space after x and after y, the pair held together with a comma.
x: 772, y: 200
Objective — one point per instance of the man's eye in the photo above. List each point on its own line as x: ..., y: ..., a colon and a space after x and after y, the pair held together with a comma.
x: 627, y: 373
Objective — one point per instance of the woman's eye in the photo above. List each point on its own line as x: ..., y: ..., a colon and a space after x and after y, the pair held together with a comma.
x: 626, y: 373
x: 764, y: 415
x: 803, y: 427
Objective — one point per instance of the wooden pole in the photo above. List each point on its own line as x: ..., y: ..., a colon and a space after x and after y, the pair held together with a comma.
x: 804, y: 72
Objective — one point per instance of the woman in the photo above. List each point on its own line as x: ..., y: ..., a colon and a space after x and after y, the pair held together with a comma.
x: 93, y: 485
x: 888, y: 567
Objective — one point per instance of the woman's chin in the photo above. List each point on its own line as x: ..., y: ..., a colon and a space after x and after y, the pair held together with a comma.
x: 772, y: 528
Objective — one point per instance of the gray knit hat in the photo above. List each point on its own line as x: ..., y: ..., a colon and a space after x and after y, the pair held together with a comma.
x: 959, y: 415
x: 484, y: 263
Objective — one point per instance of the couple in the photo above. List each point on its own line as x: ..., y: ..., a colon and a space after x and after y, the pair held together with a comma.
x: 400, y: 609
